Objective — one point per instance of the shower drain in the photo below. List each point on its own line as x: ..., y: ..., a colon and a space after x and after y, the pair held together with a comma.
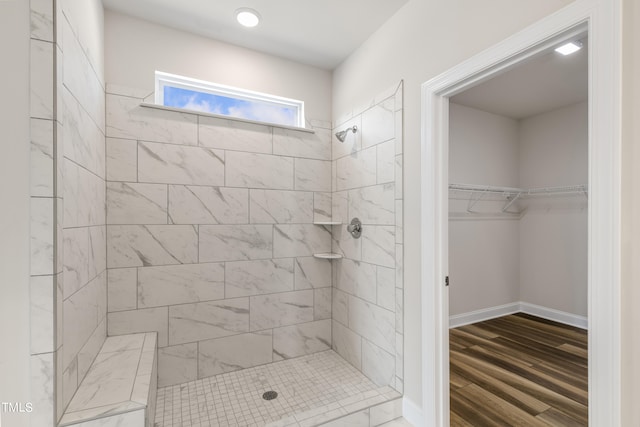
x: 269, y: 395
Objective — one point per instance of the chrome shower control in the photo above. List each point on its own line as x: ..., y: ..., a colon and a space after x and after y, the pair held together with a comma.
x: 355, y: 228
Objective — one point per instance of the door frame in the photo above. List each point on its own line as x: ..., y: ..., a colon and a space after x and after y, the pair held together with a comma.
x: 602, y: 20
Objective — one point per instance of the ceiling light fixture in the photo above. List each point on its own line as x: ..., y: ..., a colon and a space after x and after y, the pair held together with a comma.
x: 247, y: 17
x: 569, y: 48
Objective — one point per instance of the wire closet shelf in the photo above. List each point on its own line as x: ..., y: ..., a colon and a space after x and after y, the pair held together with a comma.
x: 476, y: 193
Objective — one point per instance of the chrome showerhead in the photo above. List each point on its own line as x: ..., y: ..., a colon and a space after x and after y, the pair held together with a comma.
x: 342, y: 135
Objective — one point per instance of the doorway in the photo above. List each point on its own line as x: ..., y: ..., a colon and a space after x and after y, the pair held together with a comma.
x: 518, y: 163
x: 604, y: 202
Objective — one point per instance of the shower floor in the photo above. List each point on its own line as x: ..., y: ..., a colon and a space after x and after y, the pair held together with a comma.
x: 311, y: 390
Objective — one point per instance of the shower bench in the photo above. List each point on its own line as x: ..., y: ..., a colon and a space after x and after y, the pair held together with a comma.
x: 120, y: 386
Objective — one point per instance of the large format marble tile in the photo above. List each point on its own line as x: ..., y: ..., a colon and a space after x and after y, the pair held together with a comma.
x: 373, y: 205
x: 356, y: 278
x: 133, y: 203
x: 343, y: 243
x: 287, y: 142
x: 122, y: 289
x: 312, y: 175
x: 75, y: 260
x: 127, y: 119
x: 299, y: 340
x: 399, y: 177
x: 372, y: 322
x: 43, y: 388
x: 84, y: 196
x: 235, y: 242
x: 80, y: 77
x: 144, y: 320
x: 340, y: 306
x: 377, y: 364
x: 378, y: 123
x: 83, y: 312
x: 207, y: 320
x: 177, y: 364
x: 90, y: 349
x: 322, y: 207
x: 41, y: 158
x: 229, y: 354
x: 280, y: 207
x: 138, y: 245
x: 399, y: 222
x: 245, y: 278
x: 352, y: 142
x: 208, y: 205
x: 110, y: 380
x: 386, y: 162
x: 42, y: 65
x: 179, y: 284
x: 122, y: 159
x: 347, y: 344
x: 322, y: 303
x: 274, y: 310
x: 42, y: 291
x: 312, y: 272
x: 97, y: 250
x: 42, y: 236
x: 234, y: 135
x: 378, y: 245
x: 84, y: 141
x: 297, y: 240
x: 82, y: 17
x: 357, y: 170
x: 41, y: 18
x: 386, y: 286
x: 251, y: 170
x: 177, y: 164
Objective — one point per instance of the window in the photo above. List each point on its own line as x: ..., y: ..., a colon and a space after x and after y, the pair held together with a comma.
x: 182, y: 92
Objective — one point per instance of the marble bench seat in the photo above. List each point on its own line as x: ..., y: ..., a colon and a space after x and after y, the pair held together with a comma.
x: 120, y: 387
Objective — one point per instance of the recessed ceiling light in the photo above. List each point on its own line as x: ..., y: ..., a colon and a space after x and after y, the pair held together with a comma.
x: 569, y: 48
x: 247, y: 17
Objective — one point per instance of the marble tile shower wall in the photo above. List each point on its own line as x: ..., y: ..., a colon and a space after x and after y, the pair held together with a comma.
x: 68, y: 232
x: 367, y: 318
x: 210, y: 237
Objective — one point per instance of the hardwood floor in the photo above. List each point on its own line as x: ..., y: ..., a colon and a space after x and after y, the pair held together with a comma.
x: 518, y: 370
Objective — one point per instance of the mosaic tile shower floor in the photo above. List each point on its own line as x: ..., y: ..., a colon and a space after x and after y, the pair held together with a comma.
x: 311, y: 390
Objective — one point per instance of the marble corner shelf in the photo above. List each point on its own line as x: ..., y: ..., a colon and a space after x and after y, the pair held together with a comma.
x: 327, y: 255
x: 327, y: 222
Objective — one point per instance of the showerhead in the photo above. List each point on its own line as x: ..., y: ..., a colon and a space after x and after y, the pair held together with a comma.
x: 342, y: 135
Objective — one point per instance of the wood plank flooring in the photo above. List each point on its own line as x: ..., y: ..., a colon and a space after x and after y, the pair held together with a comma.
x: 518, y: 370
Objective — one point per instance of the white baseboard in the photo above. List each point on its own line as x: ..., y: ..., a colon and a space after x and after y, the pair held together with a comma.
x: 518, y: 307
x: 556, y: 315
x: 483, y: 314
x: 412, y: 412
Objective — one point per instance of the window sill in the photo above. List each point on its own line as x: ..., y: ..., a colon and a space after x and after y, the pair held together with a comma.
x: 220, y: 116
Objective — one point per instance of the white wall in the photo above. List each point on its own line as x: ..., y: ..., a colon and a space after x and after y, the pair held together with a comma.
x: 541, y: 258
x: 483, y: 254
x: 135, y: 49
x: 14, y: 215
x: 423, y: 39
x: 553, y: 232
x: 631, y: 215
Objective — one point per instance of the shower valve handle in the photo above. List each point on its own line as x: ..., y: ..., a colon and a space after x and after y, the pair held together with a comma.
x: 355, y: 228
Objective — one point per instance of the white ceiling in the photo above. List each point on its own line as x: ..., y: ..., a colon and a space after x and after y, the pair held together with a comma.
x: 542, y: 84
x: 319, y: 33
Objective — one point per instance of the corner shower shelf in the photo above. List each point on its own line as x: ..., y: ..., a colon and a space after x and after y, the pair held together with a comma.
x: 327, y: 222
x: 327, y: 255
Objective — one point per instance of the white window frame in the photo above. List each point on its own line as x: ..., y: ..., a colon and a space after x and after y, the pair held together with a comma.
x: 173, y: 80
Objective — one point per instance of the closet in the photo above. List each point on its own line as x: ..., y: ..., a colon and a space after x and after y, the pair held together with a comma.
x: 518, y: 195
x: 518, y: 209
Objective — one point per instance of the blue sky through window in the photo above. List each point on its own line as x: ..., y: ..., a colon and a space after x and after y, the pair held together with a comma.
x: 227, y: 106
